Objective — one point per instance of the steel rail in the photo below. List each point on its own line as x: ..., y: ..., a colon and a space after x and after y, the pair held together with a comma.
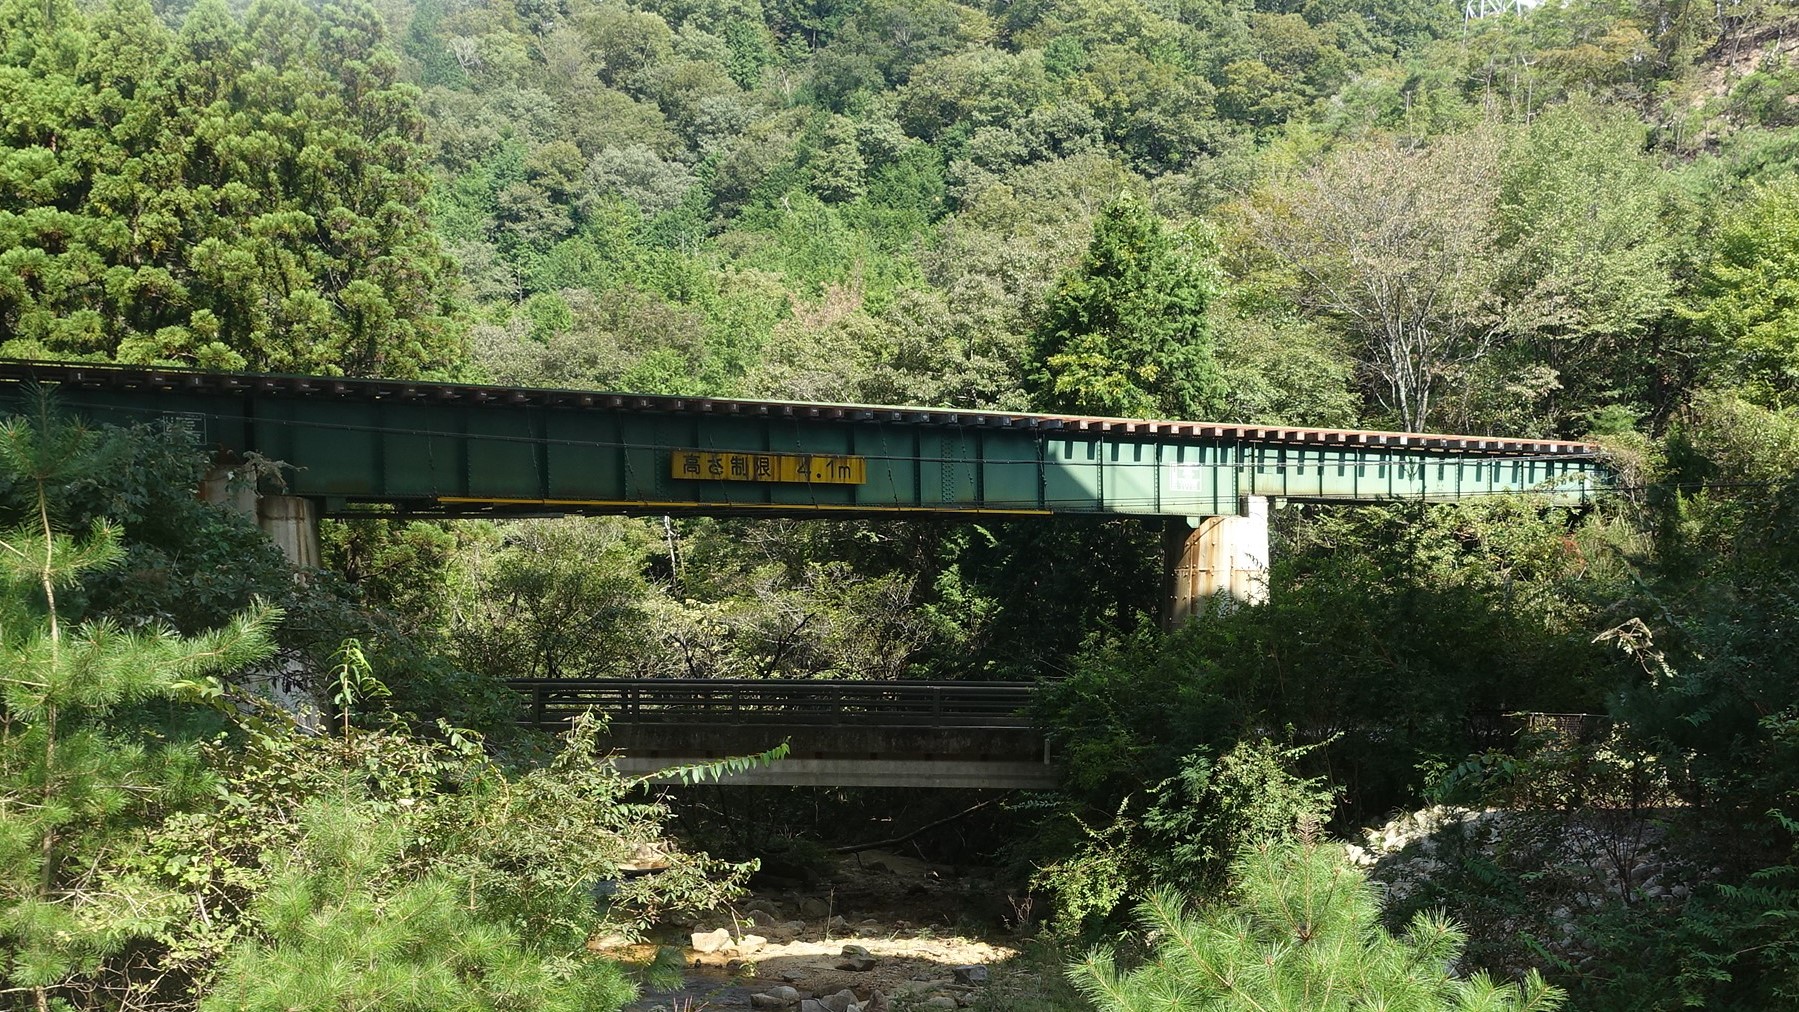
x: 159, y: 379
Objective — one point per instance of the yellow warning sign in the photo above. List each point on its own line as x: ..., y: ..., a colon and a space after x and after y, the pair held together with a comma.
x: 807, y: 468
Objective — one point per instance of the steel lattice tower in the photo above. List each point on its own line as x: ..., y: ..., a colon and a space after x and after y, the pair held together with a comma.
x: 1472, y: 9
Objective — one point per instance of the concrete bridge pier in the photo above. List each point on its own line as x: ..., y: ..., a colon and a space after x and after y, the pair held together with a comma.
x: 1209, y: 557
x: 291, y: 521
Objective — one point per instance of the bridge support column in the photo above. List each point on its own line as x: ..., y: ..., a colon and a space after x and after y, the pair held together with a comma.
x: 1223, y: 557
x: 291, y: 521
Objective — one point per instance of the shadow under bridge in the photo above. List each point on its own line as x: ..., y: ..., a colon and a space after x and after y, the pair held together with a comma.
x: 839, y: 733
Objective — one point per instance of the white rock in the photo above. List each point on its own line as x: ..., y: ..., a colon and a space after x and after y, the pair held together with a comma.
x: 711, y: 941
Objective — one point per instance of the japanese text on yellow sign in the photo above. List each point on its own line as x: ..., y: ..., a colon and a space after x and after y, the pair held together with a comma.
x: 810, y: 468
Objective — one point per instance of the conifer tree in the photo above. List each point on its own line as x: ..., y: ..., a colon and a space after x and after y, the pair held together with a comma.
x: 1303, y: 934
x: 1126, y: 333
x: 235, y: 194
x: 338, y: 932
x: 74, y: 779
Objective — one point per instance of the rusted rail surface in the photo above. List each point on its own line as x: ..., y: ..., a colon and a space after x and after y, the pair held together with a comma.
x: 809, y: 702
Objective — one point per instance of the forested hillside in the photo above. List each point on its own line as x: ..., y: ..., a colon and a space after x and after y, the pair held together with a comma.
x: 1578, y: 221
x: 1542, y: 224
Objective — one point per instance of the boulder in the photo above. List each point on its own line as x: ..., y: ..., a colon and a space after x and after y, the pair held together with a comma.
x: 941, y: 1001
x: 842, y: 1001
x: 970, y: 974
x: 645, y: 857
x: 711, y: 941
x: 856, y: 958
x: 775, y: 997
x: 815, y: 908
x: 893, y: 864
x: 750, y: 943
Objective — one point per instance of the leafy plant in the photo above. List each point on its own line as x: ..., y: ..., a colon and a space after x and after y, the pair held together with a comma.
x: 717, y: 769
x: 1187, y: 836
x: 354, y: 680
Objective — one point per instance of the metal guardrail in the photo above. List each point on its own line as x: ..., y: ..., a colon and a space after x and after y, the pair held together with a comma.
x: 1493, y: 730
x: 812, y: 702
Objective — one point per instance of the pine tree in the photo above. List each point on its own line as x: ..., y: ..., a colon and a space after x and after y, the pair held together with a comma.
x: 1303, y: 934
x: 74, y: 779
x: 338, y: 933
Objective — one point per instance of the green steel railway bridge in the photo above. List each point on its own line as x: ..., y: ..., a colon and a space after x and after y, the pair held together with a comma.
x: 360, y: 448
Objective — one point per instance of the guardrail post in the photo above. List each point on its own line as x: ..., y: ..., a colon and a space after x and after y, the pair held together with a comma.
x: 537, y: 705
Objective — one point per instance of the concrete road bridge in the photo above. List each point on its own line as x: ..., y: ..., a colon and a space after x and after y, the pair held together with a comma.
x: 876, y: 733
x: 839, y: 733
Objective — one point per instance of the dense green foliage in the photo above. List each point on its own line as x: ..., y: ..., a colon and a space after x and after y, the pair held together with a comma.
x: 1303, y: 932
x: 171, y: 840
x: 1126, y: 333
x: 1526, y: 224
x: 76, y: 782
x: 232, y: 193
x: 1575, y: 221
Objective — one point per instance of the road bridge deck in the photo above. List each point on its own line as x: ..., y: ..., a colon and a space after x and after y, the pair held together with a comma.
x: 839, y: 732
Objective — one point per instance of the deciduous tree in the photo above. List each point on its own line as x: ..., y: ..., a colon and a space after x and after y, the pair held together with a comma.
x: 1396, y: 245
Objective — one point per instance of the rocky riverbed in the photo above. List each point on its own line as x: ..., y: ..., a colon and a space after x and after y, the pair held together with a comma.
x: 884, y: 929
